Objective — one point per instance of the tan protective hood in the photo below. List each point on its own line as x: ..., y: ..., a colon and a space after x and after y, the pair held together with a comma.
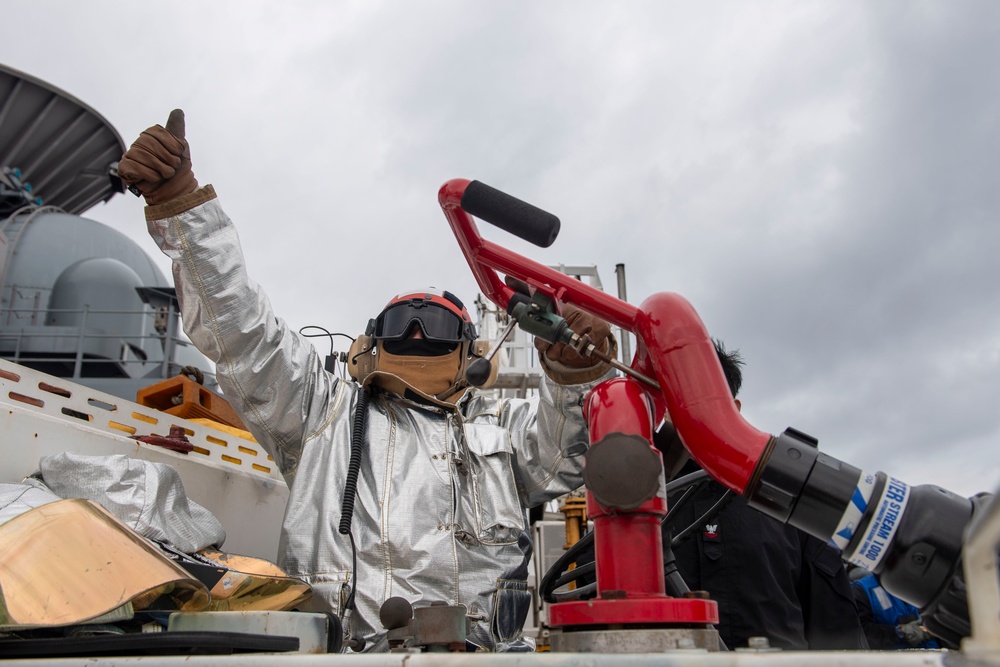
x: 440, y: 379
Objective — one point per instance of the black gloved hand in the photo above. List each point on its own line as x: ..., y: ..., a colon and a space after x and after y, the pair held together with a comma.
x: 158, y: 163
x: 913, y: 633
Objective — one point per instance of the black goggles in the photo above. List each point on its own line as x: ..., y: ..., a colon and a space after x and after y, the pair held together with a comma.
x: 436, y: 322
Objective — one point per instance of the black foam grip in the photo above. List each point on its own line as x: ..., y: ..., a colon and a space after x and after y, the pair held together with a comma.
x: 510, y: 214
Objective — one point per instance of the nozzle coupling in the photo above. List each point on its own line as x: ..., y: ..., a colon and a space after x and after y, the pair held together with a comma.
x: 798, y: 484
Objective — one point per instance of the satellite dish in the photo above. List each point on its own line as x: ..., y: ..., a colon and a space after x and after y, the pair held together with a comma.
x: 65, y: 150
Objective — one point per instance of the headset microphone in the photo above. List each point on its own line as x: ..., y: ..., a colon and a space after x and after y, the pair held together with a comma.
x: 479, y: 371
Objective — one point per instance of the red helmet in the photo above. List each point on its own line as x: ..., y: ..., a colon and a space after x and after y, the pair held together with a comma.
x: 440, y: 315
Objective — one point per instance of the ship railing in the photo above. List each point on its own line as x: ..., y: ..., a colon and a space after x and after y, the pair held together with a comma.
x: 87, y: 340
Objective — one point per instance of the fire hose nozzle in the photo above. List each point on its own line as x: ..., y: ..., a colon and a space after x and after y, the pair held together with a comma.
x: 536, y: 318
x: 541, y: 322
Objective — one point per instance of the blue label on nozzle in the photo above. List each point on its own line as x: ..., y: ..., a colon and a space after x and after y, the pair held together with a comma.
x: 854, y: 511
x: 882, y: 528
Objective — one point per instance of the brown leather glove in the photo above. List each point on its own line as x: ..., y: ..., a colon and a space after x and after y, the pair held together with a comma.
x: 158, y: 163
x: 564, y: 364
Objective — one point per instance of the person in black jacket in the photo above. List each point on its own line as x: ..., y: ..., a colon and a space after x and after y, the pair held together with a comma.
x: 769, y: 579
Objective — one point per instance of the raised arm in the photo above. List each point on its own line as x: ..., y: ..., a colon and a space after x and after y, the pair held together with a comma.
x: 272, y: 376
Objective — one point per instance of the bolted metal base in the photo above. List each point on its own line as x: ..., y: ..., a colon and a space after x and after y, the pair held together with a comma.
x: 641, y: 640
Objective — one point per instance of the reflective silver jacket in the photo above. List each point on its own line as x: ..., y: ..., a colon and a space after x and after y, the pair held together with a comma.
x: 442, y: 499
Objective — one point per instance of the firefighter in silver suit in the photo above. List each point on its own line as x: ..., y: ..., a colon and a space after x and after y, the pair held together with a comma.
x: 445, y: 475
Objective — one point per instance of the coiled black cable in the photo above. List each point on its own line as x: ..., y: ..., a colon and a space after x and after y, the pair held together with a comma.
x: 567, y: 577
x: 557, y: 576
x: 351, y: 484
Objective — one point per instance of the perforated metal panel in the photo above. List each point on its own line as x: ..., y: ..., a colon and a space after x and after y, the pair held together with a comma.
x: 233, y: 477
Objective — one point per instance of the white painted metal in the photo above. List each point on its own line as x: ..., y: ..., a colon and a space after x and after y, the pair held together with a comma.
x: 982, y: 582
x: 683, y: 658
x: 42, y: 415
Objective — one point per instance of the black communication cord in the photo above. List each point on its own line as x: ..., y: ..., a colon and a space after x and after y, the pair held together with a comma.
x: 332, y: 357
x: 350, y: 494
x: 326, y: 332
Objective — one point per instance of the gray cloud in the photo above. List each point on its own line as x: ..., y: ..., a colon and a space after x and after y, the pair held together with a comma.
x: 818, y: 179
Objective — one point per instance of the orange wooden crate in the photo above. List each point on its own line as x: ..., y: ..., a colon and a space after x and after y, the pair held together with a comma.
x: 195, y: 401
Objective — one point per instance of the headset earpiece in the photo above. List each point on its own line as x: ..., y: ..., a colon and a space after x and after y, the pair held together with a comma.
x: 360, y: 361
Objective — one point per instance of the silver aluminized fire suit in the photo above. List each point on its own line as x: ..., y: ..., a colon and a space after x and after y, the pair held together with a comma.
x: 442, y: 498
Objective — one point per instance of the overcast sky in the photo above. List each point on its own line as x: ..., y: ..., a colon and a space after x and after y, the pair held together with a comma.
x: 820, y: 180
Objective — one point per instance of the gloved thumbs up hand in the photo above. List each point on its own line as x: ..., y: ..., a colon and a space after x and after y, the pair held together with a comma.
x: 158, y: 163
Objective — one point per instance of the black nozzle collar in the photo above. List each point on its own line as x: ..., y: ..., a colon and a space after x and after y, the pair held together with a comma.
x: 784, y: 474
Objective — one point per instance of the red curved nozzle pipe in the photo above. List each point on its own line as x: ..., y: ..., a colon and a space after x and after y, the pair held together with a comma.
x: 683, y: 359
x: 674, y: 347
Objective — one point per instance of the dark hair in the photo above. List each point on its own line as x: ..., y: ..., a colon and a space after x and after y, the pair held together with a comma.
x: 732, y: 366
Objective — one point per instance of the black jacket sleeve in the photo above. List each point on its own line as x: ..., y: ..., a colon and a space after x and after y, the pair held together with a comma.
x: 831, y: 616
